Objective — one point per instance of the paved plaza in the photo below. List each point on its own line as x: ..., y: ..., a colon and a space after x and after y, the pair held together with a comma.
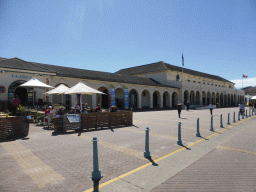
x: 48, y: 162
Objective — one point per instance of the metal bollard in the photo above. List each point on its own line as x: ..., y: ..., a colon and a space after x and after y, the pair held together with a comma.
x: 221, y: 124
x: 234, y: 117
x: 96, y: 173
x: 179, y: 142
x: 228, y: 120
x: 246, y: 114
x: 238, y: 115
x: 197, y: 129
x: 211, y: 124
x: 249, y: 112
x: 147, y: 152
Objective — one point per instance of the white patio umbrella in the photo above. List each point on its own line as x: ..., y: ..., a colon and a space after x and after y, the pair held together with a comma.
x: 34, y: 83
x: 81, y: 88
x: 60, y: 90
x: 254, y: 97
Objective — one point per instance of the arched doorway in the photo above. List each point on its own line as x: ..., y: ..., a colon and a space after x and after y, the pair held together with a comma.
x: 208, y: 98
x: 213, y: 98
x: 104, y: 100
x: 119, y: 98
x: 174, y: 100
x: 232, y: 100
x: 145, y: 99
x: 25, y: 94
x: 133, y: 99
x: 204, y: 98
x: 235, y: 102
x: 228, y: 100
x: 217, y: 99
x: 166, y: 99
x: 225, y: 100
x: 186, y: 95
x: 192, y: 98
x: 221, y: 99
x: 156, y: 99
x: 197, y: 98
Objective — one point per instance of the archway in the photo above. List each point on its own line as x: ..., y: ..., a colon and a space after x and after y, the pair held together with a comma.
x: 221, y: 99
x: 120, y: 98
x: 204, y: 98
x: 208, y: 98
x: 225, y: 100
x: 133, y: 98
x: 145, y: 99
x: 198, y: 98
x: 232, y: 100
x: 213, y: 98
x: 156, y: 99
x: 186, y: 96
x: 174, y: 100
x: 166, y: 99
x: 235, y: 102
x: 192, y: 98
x: 217, y: 99
x: 104, y: 99
x: 228, y: 100
x: 21, y: 92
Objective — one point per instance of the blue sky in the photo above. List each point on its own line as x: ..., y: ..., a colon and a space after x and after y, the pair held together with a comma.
x: 215, y: 37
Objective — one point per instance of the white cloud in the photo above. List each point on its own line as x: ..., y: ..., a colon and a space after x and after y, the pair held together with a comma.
x: 239, y: 83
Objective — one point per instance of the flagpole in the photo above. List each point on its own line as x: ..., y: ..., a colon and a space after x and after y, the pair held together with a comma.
x: 182, y: 78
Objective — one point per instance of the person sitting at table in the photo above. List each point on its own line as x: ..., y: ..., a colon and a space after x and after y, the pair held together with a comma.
x: 97, y: 108
x: 113, y: 109
x: 86, y: 108
x: 77, y: 108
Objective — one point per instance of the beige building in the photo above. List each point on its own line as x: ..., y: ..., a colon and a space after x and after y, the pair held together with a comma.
x: 156, y: 85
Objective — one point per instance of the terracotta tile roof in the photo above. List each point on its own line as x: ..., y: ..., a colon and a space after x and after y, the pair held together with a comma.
x: 161, y: 66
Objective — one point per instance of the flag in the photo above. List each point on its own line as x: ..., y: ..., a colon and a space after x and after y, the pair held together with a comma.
x: 244, y: 76
x: 182, y: 60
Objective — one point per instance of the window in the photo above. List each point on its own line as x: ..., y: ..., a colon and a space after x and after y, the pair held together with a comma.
x: 144, y: 94
x: 203, y: 82
x: 177, y: 77
x: 229, y: 86
x: 211, y: 84
x: 199, y: 81
x: 188, y: 80
x: 219, y: 85
x: 208, y: 84
x: 216, y: 85
x: 194, y: 81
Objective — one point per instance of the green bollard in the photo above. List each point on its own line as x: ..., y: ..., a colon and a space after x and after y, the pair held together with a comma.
x: 96, y: 173
x: 197, y: 130
x: 228, y: 120
x: 147, y: 152
x: 211, y: 128
x: 246, y: 114
x: 221, y: 124
x: 234, y: 117
x: 238, y: 115
x: 179, y: 142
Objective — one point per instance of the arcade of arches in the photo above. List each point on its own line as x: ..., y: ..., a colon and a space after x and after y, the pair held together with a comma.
x: 137, y: 99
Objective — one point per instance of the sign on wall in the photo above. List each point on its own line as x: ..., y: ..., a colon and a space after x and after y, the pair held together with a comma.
x: 126, y: 98
x: 113, y: 95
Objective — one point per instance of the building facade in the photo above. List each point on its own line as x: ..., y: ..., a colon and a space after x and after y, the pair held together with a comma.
x: 156, y: 85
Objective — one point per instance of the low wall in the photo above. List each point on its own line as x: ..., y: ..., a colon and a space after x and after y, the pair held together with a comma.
x: 94, y: 121
x: 13, y: 127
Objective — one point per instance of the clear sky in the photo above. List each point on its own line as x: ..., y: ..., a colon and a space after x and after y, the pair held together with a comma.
x: 215, y: 37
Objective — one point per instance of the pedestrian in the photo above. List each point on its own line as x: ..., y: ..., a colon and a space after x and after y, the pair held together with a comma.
x: 211, y: 108
x: 179, y: 109
x: 187, y: 104
x: 16, y: 102
x: 241, y: 108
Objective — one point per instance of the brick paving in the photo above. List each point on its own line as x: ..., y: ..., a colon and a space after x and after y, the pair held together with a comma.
x: 229, y: 167
x: 70, y: 155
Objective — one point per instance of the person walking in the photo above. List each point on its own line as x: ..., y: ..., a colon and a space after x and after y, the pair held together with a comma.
x: 187, y: 104
x: 241, y: 108
x: 211, y: 108
x: 179, y: 109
